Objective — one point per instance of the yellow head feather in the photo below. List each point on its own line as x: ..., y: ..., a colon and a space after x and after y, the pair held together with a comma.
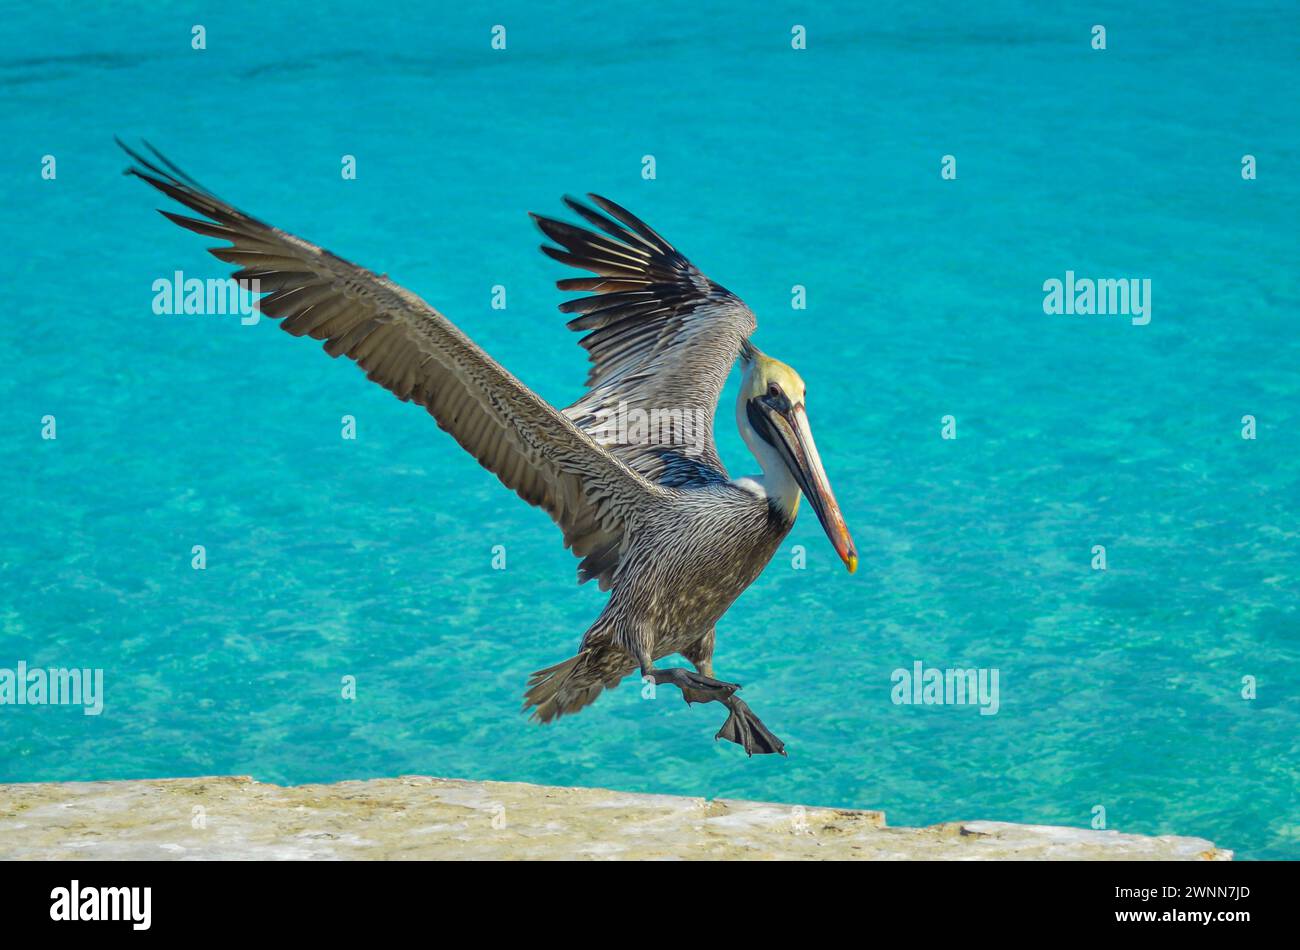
x: 761, y: 371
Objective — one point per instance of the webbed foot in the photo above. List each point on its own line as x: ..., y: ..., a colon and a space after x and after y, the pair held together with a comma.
x: 747, y: 730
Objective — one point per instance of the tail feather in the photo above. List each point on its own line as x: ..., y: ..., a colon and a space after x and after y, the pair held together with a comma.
x: 567, y: 687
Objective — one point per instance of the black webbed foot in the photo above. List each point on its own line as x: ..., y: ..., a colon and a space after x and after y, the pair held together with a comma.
x: 747, y: 730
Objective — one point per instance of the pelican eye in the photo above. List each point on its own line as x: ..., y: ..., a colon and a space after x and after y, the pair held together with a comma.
x: 774, y: 390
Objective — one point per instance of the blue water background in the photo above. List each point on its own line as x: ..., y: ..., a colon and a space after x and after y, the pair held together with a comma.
x: 372, y: 558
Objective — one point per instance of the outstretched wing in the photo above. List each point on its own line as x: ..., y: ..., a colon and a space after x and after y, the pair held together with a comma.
x: 414, y: 352
x: 662, y: 339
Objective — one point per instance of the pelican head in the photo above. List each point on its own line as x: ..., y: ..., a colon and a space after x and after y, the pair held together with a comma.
x: 770, y: 414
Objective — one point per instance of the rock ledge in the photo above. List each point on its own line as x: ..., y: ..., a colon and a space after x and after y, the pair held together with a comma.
x: 237, y: 818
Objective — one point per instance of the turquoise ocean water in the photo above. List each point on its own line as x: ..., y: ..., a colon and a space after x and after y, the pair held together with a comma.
x: 372, y: 558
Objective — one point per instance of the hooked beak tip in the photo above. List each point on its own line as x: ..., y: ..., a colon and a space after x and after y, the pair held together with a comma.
x: 851, y: 562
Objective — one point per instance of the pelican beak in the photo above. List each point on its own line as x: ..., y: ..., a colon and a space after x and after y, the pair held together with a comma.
x: 795, y: 443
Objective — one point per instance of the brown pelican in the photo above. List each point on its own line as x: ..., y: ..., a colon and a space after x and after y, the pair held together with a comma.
x: 658, y: 523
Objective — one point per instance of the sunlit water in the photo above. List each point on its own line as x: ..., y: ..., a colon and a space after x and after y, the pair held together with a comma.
x: 372, y: 558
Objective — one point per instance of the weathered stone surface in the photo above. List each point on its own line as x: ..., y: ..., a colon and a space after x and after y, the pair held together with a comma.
x: 418, y: 817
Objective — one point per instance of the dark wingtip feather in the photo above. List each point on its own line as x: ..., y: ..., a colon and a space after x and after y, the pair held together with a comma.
x: 139, y: 160
x: 123, y: 146
x: 540, y: 221
x: 574, y: 204
x: 173, y: 181
x: 175, y: 169
x: 609, y: 225
x: 161, y: 166
x: 629, y: 220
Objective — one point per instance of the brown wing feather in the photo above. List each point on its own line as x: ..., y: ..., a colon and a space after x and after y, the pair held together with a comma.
x: 410, y: 349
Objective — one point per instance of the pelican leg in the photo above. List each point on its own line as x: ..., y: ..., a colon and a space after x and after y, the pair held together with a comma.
x: 696, y: 687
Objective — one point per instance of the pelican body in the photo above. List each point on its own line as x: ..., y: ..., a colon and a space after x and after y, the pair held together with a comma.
x: 657, y: 522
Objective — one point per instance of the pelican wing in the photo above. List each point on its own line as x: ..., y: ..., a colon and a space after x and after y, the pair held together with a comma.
x: 417, y: 354
x: 662, y: 339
